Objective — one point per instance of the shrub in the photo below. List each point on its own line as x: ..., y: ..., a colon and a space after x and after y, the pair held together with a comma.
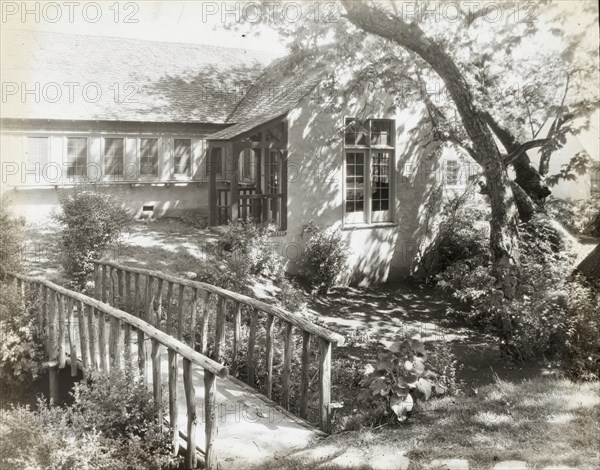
x: 538, y: 309
x: 583, y: 336
x: 251, y: 244
x: 401, y: 376
x: 21, y: 352
x: 91, y: 223
x: 580, y: 217
x: 11, y: 240
x: 324, y: 257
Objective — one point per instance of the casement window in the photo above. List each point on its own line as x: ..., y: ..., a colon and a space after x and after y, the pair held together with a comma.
x: 76, y: 157
x: 182, y: 157
x: 38, y: 151
x: 114, y: 156
x: 368, y: 170
x: 595, y: 180
x: 149, y: 157
x: 451, y: 174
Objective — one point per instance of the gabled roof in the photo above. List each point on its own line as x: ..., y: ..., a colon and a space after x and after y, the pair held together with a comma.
x: 244, y: 126
x: 138, y: 80
x: 279, y: 89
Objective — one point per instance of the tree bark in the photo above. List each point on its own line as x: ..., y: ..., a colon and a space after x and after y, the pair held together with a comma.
x: 504, y: 222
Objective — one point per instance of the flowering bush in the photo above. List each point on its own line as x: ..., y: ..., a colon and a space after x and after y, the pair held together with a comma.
x: 11, y: 239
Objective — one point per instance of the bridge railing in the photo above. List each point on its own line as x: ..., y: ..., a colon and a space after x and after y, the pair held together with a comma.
x: 182, y: 307
x: 63, y: 312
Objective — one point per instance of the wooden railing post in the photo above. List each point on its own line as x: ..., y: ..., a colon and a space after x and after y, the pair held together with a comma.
x: 288, y: 345
x: 149, y: 304
x: 97, y: 282
x: 142, y: 356
x: 127, y: 299
x: 169, y: 300
x: 120, y: 283
x: 158, y: 316
x: 61, y: 332
x: 190, y: 398
x: 127, y: 344
x: 136, y: 295
x: 269, y: 332
x: 237, y: 324
x: 210, y: 423
x: 53, y: 349
x: 252, y: 346
x: 304, y: 377
x: 104, y: 359
x: 220, y: 328
x: 173, y: 410
x: 180, y: 313
x: 204, y: 323
x: 94, y: 340
x: 156, y: 381
x: 324, y: 385
x: 193, y: 308
x: 84, y: 340
x: 71, y: 335
x: 104, y: 293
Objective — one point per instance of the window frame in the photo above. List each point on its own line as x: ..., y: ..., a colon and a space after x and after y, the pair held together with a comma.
x: 147, y: 177
x: 370, y: 218
x: 65, y: 156
x: 456, y: 183
x: 181, y: 176
x: 105, y: 175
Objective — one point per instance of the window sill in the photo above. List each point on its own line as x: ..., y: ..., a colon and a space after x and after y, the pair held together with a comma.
x: 369, y: 226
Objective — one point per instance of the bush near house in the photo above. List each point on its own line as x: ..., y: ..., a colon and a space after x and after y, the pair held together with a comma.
x: 325, y: 256
x: 581, y: 217
x: 538, y: 311
x: 110, y: 425
x: 90, y: 223
x: 11, y: 239
x: 21, y: 352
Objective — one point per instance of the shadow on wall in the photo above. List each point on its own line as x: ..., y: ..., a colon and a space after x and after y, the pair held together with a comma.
x: 316, y: 159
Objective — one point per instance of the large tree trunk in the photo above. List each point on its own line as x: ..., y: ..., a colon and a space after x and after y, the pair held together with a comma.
x: 504, y: 223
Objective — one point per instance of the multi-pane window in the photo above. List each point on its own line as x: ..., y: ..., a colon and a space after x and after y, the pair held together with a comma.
x: 182, y: 156
x: 452, y: 173
x: 368, y: 171
x: 37, y: 150
x: 76, y: 157
x: 355, y: 181
x: 595, y: 179
x: 148, y: 157
x: 380, y: 181
x: 114, y: 154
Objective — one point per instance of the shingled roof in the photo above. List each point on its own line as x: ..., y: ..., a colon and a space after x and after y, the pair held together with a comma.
x: 138, y: 80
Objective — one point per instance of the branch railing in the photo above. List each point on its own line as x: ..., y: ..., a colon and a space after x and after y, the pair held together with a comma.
x: 95, y: 349
x: 182, y: 307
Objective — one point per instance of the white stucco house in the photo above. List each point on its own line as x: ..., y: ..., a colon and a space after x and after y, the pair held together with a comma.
x: 232, y: 134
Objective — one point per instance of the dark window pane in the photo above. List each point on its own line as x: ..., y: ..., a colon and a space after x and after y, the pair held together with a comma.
x: 113, y: 156
x: 76, y: 156
x: 149, y: 157
x: 182, y: 156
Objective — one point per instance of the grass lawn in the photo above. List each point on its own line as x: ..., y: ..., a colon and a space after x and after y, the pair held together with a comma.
x: 543, y: 421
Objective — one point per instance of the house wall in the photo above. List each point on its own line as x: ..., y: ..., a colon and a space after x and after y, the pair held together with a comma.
x: 33, y: 189
x: 378, y: 252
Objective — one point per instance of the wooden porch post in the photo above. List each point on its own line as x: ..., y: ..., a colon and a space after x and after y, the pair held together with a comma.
x: 212, y: 184
x: 235, y: 190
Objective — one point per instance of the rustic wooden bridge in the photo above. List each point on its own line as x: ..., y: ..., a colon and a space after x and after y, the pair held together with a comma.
x: 185, y: 336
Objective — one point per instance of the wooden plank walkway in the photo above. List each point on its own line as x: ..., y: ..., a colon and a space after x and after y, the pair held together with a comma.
x: 251, y: 429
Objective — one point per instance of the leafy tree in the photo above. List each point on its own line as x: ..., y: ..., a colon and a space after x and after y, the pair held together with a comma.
x: 507, y: 78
